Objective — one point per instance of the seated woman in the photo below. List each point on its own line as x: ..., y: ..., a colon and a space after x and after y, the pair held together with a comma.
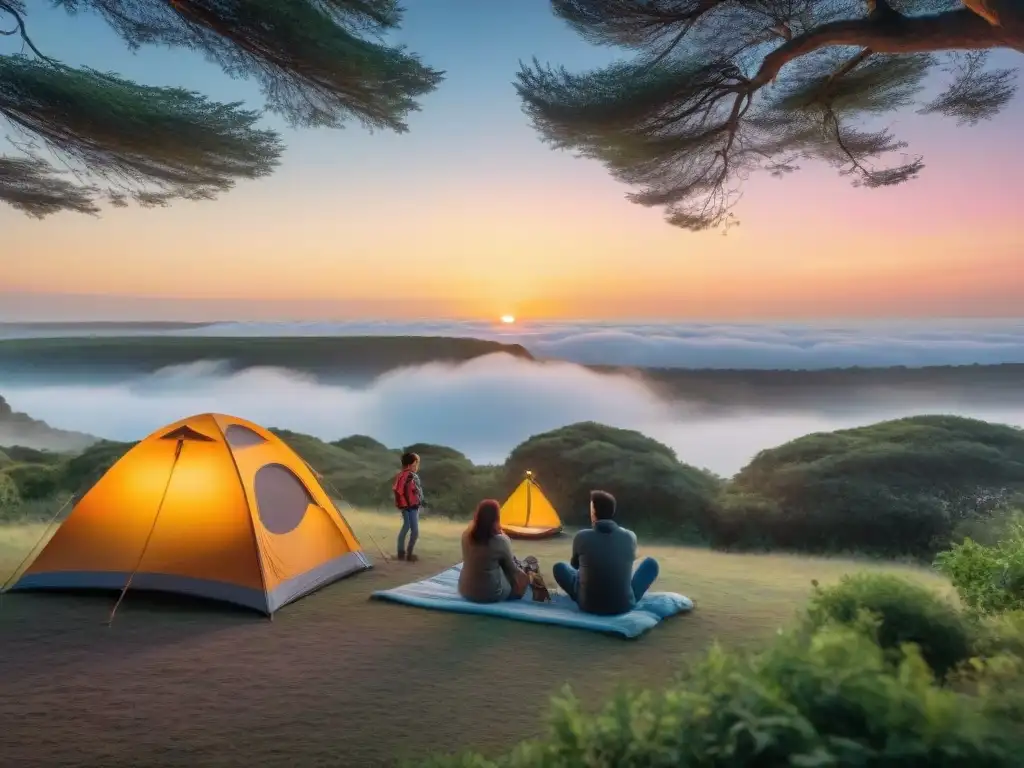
x: 490, y: 573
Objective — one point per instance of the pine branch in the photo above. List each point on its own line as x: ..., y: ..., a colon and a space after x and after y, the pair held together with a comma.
x: 33, y: 187
x: 723, y: 89
x: 318, y: 62
x: 155, y: 144
x: 16, y: 10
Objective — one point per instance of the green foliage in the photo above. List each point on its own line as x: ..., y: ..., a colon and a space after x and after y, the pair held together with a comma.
x: 446, y: 475
x: 323, y: 457
x: 454, y: 489
x: 19, y: 454
x: 1000, y: 634
x: 716, y: 92
x: 5, y: 460
x: 988, y: 579
x: 990, y: 529
x: 906, y: 612
x: 452, y: 483
x: 361, y: 444
x: 37, y: 510
x: 360, y: 478
x: 319, y: 62
x: 34, y: 481
x: 656, y: 493
x: 898, y: 487
x: 429, y: 452
x: 361, y: 470
x: 746, y: 519
x: 10, y: 496
x: 83, y: 471
x: 832, y: 698
x: 177, y: 142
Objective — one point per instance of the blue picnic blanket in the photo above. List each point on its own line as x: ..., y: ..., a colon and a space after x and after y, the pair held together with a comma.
x: 441, y: 593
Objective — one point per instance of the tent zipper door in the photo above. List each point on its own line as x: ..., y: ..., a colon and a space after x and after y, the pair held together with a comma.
x: 529, y: 503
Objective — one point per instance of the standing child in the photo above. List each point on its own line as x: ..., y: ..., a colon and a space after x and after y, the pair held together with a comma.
x: 409, y: 498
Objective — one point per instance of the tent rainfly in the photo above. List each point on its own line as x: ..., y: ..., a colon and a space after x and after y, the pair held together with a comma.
x: 527, y: 513
x: 211, y: 506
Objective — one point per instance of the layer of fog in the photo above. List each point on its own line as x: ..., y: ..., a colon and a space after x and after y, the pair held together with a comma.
x: 681, y: 344
x: 483, y: 408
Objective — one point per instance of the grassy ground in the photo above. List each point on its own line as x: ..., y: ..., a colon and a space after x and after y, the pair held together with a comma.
x: 337, y: 679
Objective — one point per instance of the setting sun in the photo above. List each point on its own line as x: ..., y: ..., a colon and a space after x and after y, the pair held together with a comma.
x: 508, y: 319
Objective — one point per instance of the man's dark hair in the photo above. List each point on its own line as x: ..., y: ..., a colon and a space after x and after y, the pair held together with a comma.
x: 604, y: 505
x: 408, y: 459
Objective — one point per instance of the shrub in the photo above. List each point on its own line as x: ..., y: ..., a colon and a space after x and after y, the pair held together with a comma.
x: 10, y: 498
x: 988, y: 579
x: 906, y: 612
x: 83, y: 471
x: 990, y: 529
x: 35, y: 481
x: 833, y: 698
x: 899, y: 487
x: 1001, y: 633
x: 23, y: 455
x: 745, y: 521
x: 454, y: 487
x: 363, y: 443
x: 430, y: 453
x: 656, y: 493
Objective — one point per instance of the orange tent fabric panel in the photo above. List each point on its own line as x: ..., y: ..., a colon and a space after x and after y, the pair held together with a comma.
x: 203, y: 529
x: 210, y: 500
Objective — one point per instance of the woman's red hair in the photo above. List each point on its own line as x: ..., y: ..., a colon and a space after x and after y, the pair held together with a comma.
x: 486, y: 521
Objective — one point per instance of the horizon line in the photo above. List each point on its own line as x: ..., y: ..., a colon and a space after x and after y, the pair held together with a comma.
x: 523, y: 321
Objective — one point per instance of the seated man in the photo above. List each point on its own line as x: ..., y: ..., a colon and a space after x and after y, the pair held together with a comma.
x: 600, y: 576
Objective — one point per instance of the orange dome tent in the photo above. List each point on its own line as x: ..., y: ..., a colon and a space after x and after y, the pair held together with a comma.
x: 527, y: 513
x: 211, y: 506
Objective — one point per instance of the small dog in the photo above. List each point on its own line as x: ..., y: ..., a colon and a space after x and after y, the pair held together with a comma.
x: 541, y: 593
x: 531, y: 567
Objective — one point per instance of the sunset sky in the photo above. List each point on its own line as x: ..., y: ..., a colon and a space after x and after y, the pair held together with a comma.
x: 470, y: 215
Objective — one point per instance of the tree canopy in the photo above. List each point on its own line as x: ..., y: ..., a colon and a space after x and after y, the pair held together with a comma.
x: 719, y: 89
x: 655, y: 491
x: 902, y: 487
x: 896, y: 487
x: 87, y: 136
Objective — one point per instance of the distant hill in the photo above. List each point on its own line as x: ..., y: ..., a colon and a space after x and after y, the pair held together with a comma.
x: 835, y: 387
x: 356, y: 360
x: 114, y: 357
x: 20, y: 429
x: 51, y: 326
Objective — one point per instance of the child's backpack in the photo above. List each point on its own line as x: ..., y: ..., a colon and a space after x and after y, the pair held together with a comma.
x: 406, y: 494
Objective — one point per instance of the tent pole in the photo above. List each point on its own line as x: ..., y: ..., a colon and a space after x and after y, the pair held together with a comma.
x: 529, y: 500
x: 152, y: 528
